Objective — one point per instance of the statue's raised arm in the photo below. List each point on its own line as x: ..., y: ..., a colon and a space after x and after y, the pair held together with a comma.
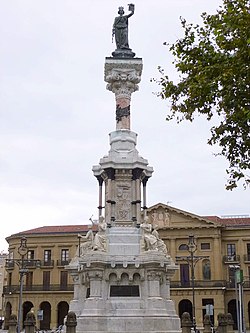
x: 120, y: 31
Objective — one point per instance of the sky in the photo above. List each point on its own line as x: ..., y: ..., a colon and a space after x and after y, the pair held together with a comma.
x: 56, y: 114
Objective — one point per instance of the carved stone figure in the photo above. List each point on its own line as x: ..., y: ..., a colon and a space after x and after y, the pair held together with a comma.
x: 150, y: 241
x: 120, y: 31
x: 161, y: 246
x: 86, y: 243
x: 206, y: 271
x: 120, y: 28
x: 100, y: 239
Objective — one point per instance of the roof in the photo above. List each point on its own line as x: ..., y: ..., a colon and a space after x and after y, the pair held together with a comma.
x: 230, y: 221
x: 59, y: 229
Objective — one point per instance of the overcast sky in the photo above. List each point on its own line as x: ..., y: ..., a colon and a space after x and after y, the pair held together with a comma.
x: 56, y: 114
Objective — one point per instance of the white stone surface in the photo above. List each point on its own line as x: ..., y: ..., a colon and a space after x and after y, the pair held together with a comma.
x: 138, y: 277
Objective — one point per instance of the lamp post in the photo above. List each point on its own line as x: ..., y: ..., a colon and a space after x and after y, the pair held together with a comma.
x: 192, y: 247
x: 22, y: 250
x: 238, y: 283
x: 192, y: 260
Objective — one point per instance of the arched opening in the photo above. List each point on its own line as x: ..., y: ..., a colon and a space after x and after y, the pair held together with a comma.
x: 8, y: 311
x: 45, y: 323
x: 27, y: 306
x: 185, y: 306
x: 231, y: 308
x: 62, y: 311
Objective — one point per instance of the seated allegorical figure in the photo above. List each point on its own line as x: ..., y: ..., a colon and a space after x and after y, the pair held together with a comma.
x: 161, y: 246
x: 150, y: 241
x: 86, y: 242
x: 100, y: 239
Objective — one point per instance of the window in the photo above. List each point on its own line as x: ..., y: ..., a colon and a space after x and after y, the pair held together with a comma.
x: 205, y: 246
x: 10, y: 279
x: 183, y: 247
x: 231, y: 250
x: 46, y: 280
x: 208, y: 306
x: 29, y: 280
x: 63, y: 280
x: 64, y: 255
x: 248, y: 251
x: 184, y: 275
x: 47, y: 255
x: 31, y: 255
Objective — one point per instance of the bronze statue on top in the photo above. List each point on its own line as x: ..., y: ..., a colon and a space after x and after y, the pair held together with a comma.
x: 120, y: 31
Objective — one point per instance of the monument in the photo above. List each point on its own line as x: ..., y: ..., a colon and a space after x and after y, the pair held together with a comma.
x: 122, y: 272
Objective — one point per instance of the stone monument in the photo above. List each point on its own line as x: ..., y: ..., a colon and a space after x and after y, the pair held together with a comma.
x: 122, y: 272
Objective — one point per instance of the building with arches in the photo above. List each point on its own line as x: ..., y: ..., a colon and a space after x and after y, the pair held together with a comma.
x: 221, y: 245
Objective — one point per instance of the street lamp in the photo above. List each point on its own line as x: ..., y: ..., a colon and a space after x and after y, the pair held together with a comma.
x: 192, y: 247
x: 192, y: 261
x: 238, y: 284
x: 22, y: 250
x: 22, y: 264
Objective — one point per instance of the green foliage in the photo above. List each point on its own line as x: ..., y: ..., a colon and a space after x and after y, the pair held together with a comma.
x: 213, y: 62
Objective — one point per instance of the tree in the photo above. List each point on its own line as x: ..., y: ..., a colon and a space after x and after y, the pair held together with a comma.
x: 213, y: 61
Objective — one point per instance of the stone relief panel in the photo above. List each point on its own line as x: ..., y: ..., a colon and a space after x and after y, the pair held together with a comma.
x: 160, y: 218
x: 123, y: 201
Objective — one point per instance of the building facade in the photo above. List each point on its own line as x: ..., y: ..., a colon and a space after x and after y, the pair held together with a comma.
x: 205, y: 281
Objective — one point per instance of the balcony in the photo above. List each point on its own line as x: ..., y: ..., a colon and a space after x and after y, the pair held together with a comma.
x: 28, y: 263
x: 198, y: 284
x: 233, y: 259
x: 62, y: 263
x: 15, y: 289
x: 246, y: 258
x: 47, y: 263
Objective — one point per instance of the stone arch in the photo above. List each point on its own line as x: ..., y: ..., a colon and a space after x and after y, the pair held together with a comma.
x: 8, y: 312
x: 113, y: 277
x: 27, y: 306
x: 62, y: 311
x: 185, y: 305
x: 183, y: 247
x: 136, y: 277
x: 45, y: 323
x: 124, y: 278
x: 231, y: 308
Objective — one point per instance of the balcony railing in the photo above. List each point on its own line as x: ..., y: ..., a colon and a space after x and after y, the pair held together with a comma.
x: 27, y: 263
x: 198, y: 284
x: 47, y: 263
x: 247, y: 257
x: 63, y: 262
x: 231, y: 259
x: 34, y: 288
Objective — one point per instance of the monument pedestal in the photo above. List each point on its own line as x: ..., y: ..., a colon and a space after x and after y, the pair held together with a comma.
x: 126, y: 289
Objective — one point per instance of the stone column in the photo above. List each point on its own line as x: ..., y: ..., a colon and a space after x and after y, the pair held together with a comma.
x: 123, y: 76
x: 95, y: 278
x: 30, y: 322
x: 230, y: 323
x: 207, y: 324
x: 100, y: 181
x: 222, y: 323
x: 186, y: 322
x: 12, y: 323
x: 109, y: 202
x: 154, y: 284
x: 71, y: 322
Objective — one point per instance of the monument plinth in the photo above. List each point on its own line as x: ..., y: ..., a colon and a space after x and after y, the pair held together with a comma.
x: 122, y: 273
